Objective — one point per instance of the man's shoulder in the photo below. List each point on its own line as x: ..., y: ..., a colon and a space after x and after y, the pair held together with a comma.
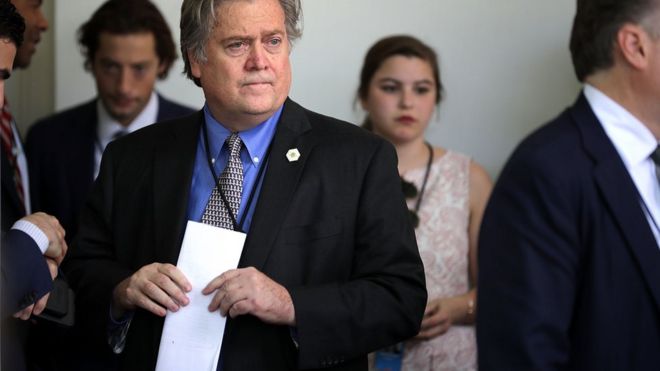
x: 170, y: 109
x: 169, y: 128
x: 554, y: 152
x: 553, y: 141
x: 333, y: 130
x: 72, y: 118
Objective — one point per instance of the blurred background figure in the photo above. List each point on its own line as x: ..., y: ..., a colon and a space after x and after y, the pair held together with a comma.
x: 446, y: 191
x: 16, y: 202
x: 127, y: 47
x: 32, y: 245
x: 570, y: 241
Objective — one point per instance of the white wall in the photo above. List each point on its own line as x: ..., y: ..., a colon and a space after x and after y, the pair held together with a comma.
x: 505, y: 63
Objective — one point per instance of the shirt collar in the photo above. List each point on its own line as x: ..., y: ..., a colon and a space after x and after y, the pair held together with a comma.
x: 633, y: 140
x: 108, y: 126
x: 256, y: 139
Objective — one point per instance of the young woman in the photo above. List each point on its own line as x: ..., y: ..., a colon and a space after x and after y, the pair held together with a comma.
x: 399, y: 89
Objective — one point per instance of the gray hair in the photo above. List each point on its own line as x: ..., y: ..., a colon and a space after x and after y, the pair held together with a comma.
x: 198, y: 19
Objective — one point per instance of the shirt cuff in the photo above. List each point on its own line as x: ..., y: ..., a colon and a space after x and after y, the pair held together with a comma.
x: 34, y: 232
x: 117, y: 331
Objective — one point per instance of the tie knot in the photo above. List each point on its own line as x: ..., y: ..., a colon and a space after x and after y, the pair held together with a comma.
x: 655, y: 156
x: 233, y: 142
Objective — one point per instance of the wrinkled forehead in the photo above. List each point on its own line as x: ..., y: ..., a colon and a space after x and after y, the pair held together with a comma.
x: 246, y: 16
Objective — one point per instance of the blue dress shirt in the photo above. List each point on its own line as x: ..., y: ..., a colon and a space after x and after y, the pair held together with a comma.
x: 256, y: 142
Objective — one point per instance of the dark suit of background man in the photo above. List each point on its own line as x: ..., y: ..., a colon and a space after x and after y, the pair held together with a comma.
x: 127, y: 46
x: 32, y: 245
x: 569, y: 249
x: 330, y: 269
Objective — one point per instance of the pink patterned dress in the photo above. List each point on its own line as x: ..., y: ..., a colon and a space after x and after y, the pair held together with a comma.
x: 442, y: 237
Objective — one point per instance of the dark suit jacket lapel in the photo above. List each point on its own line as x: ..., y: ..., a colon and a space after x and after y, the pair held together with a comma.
x: 279, y: 184
x: 619, y: 194
x: 174, y: 158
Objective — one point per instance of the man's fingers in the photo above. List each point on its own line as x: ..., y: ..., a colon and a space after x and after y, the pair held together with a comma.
x: 24, y: 313
x: 175, y: 275
x: 216, y: 301
x: 52, y: 267
x: 146, y: 303
x: 239, y: 308
x: 156, y: 294
x: 65, y: 248
x: 220, y: 280
x: 230, y: 298
x: 171, y: 289
x: 40, y: 305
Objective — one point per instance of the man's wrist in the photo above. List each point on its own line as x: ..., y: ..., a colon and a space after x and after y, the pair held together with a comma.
x: 34, y: 232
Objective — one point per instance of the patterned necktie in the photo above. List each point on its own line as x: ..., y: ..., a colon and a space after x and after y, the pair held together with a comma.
x: 655, y: 156
x: 10, y: 150
x: 231, y: 181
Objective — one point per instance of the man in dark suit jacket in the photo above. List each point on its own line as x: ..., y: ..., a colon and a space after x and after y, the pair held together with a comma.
x: 330, y: 269
x: 32, y: 246
x: 569, y: 274
x: 127, y: 46
x: 25, y: 239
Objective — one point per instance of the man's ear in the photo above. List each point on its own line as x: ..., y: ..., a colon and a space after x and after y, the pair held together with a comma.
x: 194, y: 64
x: 161, y: 68
x: 634, y: 44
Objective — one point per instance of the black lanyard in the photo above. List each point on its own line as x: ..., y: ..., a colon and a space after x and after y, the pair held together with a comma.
x: 246, y: 209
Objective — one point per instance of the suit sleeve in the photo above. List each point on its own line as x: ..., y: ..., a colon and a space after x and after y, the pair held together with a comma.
x: 91, y: 265
x: 384, y: 299
x: 529, y: 254
x: 25, y: 274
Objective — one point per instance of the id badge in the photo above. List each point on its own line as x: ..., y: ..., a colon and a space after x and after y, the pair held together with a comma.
x: 389, y: 359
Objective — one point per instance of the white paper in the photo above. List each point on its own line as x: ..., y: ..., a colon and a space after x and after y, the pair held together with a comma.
x: 192, y: 337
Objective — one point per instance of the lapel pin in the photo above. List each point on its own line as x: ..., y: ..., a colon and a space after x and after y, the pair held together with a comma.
x: 293, y: 155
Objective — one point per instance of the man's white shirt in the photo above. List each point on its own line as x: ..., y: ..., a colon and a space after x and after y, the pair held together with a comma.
x: 635, y: 143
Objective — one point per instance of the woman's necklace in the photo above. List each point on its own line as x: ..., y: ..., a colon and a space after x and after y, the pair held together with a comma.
x: 426, y: 177
x: 409, y: 189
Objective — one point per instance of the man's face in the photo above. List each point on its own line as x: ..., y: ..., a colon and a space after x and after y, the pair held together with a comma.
x: 35, y: 24
x: 247, y: 75
x: 7, y: 54
x: 125, y: 68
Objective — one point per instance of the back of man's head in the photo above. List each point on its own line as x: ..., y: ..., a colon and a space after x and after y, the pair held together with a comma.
x: 125, y: 17
x: 595, y: 29
x: 12, y: 24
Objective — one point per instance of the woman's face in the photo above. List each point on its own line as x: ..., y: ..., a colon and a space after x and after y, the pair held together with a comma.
x: 401, y: 98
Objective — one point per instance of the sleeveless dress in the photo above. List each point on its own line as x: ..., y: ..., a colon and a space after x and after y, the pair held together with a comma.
x: 442, y: 237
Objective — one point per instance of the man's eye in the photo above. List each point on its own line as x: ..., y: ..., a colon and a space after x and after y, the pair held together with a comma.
x: 139, y: 70
x: 236, y: 45
x: 110, y: 68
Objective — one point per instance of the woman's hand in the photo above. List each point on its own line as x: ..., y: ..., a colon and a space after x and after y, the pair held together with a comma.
x: 437, y: 319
